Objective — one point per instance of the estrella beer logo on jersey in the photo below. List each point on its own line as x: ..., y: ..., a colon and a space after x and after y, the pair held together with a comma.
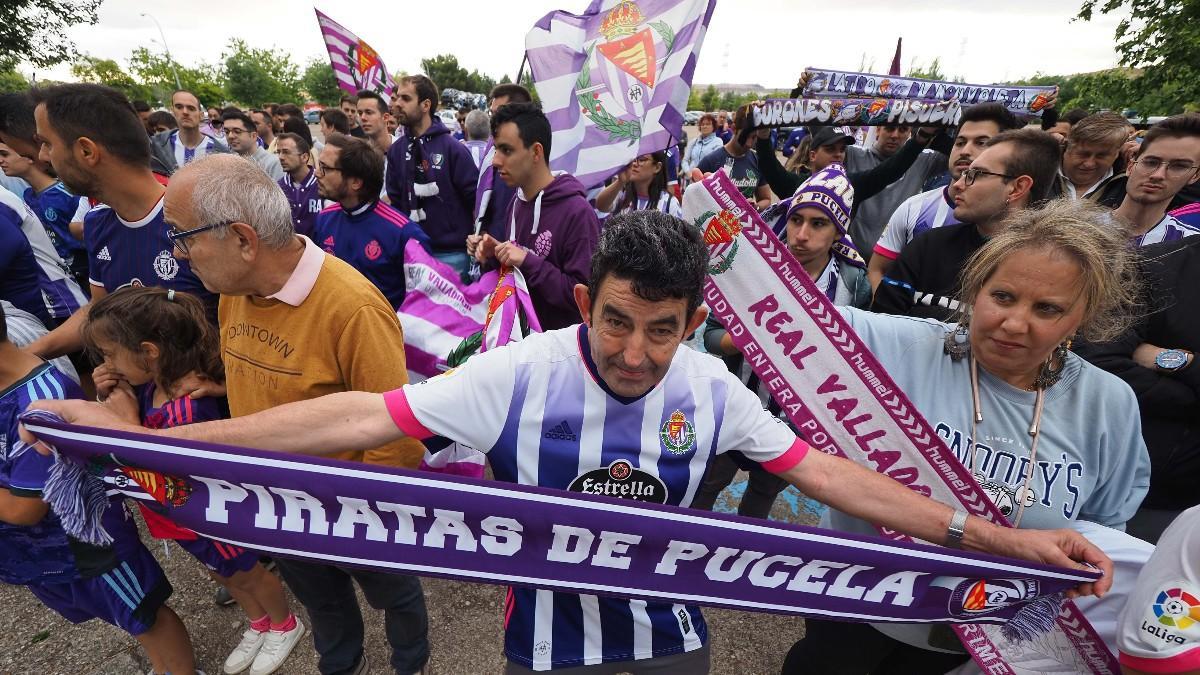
x: 975, y: 596
x: 621, y: 479
x: 677, y: 434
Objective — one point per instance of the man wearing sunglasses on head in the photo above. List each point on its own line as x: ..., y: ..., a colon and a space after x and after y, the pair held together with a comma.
x: 97, y: 145
x: 1014, y: 171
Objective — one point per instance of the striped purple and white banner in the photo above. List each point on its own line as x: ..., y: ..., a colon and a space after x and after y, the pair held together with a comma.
x: 615, y: 80
x: 356, y: 65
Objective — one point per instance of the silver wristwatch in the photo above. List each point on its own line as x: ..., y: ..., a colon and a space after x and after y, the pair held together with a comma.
x: 956, y: 529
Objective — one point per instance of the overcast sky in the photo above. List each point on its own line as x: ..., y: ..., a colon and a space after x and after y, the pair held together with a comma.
x: 766, y: 42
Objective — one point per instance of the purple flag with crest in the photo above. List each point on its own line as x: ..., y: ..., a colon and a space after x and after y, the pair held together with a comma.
x: 356, y: 65
x: 615, y: 80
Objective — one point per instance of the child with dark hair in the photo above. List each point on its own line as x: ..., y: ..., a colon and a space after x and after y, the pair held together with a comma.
x: 121, y: 583
x: 150, y: 340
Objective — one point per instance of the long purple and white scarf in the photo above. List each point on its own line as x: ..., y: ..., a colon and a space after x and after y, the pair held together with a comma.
x: 1022, y: 100
x: 843, y: 401
x: 787, y: 112
x: 356, y: 65
x: 614, y: 81
x: 394, y: 520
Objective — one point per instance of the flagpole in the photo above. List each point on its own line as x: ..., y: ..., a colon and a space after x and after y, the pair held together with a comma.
x: 521, y: 68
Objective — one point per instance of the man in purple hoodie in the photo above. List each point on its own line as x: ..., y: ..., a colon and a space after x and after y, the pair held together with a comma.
x: 552, y: 229
x: 430, y: 176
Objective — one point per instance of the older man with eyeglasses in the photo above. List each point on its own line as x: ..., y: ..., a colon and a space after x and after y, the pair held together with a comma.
x: 297, y: 323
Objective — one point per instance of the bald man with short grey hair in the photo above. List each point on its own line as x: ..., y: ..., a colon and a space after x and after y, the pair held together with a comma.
x: 235, y: 226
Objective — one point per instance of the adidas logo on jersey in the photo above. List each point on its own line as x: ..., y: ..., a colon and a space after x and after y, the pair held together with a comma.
x: 103, y: 255
x: 562, y: 432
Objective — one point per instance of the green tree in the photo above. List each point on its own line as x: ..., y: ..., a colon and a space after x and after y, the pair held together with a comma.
x: 710, y: 98
x: 527, y: 82
x: 445, y: 71
x: 154, y: 71
x: 36, y: 30
x: 12, y: 81
x: 109, y: 72
x: 320, y: 82
x: 253, y: 76
x: 1160, y: 38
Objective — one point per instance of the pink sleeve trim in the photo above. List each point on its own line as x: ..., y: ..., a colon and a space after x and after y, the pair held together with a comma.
x: 1180, y: 663
x: 402, y: 414
x: 794, y: 455
x: 890, y: 255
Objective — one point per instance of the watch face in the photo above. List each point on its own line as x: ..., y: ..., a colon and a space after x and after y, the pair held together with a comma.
x: 1170, y: 359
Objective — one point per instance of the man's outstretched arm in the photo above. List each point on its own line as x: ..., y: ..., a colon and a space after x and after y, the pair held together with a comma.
x: 351, y: 420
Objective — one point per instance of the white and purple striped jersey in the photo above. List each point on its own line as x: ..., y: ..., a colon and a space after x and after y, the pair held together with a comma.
x: 540, y: 411
x: 1169, y: 228
x: 184, y: 154
x: 59, y: 291
x: 916, y: 215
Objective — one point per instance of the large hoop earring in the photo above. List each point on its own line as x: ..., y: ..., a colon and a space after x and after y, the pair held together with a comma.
x: 1049, y: 375
x: 958, y: 341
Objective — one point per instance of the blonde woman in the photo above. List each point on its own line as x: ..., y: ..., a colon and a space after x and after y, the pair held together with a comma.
x: 1048, y: 436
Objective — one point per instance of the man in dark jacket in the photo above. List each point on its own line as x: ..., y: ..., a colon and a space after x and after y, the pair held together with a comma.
x: 1014, y: 171
x: 1156, y: 358
x: 552, y: 229
x: 430, y: 176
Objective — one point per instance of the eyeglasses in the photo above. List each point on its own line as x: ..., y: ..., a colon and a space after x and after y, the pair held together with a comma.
x: 644, y: 159
x: 1178, y: 169
x: 970, y: 175
x: 235, y: 131
x: 322, y: 168
x: 179, y: 237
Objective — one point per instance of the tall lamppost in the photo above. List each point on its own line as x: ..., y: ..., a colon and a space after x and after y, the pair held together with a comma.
x: 178, y: 84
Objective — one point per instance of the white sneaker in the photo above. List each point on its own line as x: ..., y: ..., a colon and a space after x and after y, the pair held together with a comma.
x: 275, y: 649
x: 243, y: 655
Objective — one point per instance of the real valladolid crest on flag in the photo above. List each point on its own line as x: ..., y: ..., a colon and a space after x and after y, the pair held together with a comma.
x: 835, y: 391
x: 615, y: 80
x: 355, y: 63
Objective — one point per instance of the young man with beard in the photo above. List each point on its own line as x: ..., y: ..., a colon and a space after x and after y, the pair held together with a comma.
x: 360, y: 229
x: 552, y: 228
x: 1015, y: 171
x: 935, y: 208
x: 170, y: 150
x: 97, y: 146
x: 430, y: 176
x: 1167, y: 161
x: 242, y: 133
x: 299, y: 184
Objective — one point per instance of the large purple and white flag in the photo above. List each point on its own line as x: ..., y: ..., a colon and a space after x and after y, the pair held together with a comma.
x: 356, y: 65
x: 615, y: 80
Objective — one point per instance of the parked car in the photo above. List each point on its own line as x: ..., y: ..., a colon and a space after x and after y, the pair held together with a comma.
x: 692, y: 116
x: 312, y: 116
